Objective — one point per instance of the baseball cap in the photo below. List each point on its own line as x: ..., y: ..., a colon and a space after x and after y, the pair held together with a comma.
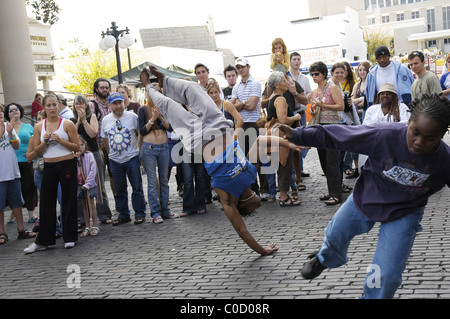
x: 387, y: 87
x: 116, y: 96
x: 382, y: 51
x: 201, y: 64
x: 241, y: 61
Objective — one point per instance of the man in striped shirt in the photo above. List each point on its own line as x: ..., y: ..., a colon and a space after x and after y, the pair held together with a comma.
x: 246, y: 97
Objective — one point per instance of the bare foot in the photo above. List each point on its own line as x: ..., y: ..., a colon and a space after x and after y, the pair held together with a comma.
x: 160, y: 76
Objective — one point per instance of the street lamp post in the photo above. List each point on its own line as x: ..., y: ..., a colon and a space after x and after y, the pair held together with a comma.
x: 118, y: 38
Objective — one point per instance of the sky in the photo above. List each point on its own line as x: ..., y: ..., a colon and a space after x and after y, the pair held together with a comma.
x: 254, y: 21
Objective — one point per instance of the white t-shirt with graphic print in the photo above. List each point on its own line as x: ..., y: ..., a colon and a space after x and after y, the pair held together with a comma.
x: 122, y: 136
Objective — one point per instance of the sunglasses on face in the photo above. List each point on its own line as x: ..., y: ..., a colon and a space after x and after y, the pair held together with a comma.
x: 12, y: 110
x: 315, y: 73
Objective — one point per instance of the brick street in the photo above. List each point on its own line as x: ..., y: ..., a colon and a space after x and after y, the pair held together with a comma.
x: 202, y: 257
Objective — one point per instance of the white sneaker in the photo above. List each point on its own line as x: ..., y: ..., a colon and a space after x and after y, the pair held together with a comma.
x: 69, y: 245
x: 33, y: 248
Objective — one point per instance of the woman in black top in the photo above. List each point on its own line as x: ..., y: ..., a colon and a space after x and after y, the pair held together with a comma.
x: 279, y: 112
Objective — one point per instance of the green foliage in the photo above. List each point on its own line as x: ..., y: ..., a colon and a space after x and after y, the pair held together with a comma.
x: 376, y: 39
x: 45, y: 10
x: 73, y: 48
x: 85, y: 70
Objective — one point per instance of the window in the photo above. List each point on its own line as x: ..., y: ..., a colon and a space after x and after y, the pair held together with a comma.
x: 402, y: 1
x: 395, y: 2
x: 371, y: 21
x: 415, y: 15
x: 431, y: 20
x: 447, y: 41
x: 388, y: 3
x: 385, y: 19
x: 432, y: 43
x: 400, y: 16
x: 446, y: 17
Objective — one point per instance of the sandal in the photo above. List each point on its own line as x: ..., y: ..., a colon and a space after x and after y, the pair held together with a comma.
x: 271, y: 199
x: 94, y: 231
x: 33, y: 219
x: 325, y: 197
x: 301, y: 186
x: 294, y: 194
x: 139, y: 220
x: 333, y: 201
x: 85, y: 232
x: 120, y: 221
x: 349, y: 171
x: 107, y: 221
x: 201, y: 212
x: 25, y: 234
x: 3, y: 238
x: 288, y: 202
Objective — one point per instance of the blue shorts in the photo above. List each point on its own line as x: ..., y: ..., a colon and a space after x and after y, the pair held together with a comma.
x: 231, y: 171
x: 11, y: 191
x: 81, y: 193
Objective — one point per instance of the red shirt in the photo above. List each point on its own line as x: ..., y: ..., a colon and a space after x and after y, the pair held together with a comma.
x: 35, y: 107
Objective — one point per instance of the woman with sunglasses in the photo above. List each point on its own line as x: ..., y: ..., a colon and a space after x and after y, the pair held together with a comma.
x: 25, y: 132
x: 10, y: 178
x: 327, y: 98
x: 57, y: 142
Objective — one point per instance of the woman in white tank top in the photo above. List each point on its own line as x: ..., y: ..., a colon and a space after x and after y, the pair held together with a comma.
x: 58, y: 140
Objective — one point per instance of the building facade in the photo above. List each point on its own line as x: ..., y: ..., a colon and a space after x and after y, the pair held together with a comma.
x: 414, y: 24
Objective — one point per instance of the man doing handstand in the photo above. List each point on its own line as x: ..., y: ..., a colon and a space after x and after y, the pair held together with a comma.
x: 204, y: 130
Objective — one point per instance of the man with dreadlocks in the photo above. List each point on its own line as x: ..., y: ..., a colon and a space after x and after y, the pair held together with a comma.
x: 388, y: 107
x: 406, y: 165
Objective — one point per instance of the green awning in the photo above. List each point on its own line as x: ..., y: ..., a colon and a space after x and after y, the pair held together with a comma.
x: 132, y: 76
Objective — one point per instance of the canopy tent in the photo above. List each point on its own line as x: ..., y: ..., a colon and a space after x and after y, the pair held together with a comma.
x: 132, y: 76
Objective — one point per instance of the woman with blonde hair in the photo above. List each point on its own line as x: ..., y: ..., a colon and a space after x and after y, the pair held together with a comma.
x: 58, y: 140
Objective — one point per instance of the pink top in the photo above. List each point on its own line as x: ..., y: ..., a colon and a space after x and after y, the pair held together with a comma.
x: 328, y: 116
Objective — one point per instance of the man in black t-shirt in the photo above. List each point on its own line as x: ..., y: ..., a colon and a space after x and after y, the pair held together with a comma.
x: 231, y: 75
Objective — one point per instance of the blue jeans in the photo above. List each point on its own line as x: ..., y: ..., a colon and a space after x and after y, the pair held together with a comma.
x: 194, y: 187
x: 394, y: 245
x: 120, y: 172
x: 272, y: 184
x: 153, y: 155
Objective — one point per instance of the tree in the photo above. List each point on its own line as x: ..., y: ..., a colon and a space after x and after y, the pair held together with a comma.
x: 45, y: 10
x: 86, y: 70
x: 375, y: 39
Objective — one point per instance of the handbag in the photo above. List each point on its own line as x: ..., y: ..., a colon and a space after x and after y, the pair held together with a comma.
x: 316, y: 118
x: 38, y: 164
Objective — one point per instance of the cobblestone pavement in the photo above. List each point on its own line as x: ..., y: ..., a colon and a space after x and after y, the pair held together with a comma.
x: 202, y: 257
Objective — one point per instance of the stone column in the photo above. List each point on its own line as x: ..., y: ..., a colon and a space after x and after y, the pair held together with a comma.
x: 16, y: 58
